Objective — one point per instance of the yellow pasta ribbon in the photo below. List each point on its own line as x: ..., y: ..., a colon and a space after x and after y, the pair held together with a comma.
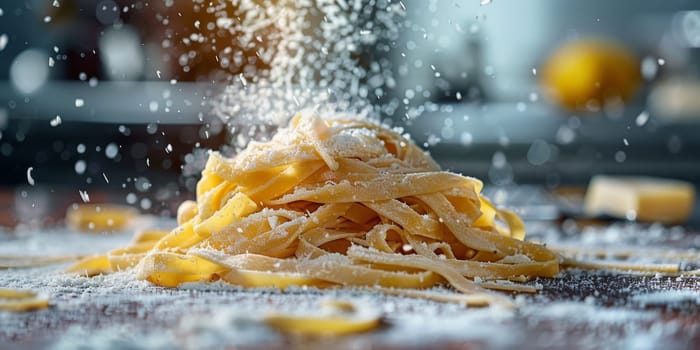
x: 337, y: 202
x: 336, y: 318
x: 17, y: 300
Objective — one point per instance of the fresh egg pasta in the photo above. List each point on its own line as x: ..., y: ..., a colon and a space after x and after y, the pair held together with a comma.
x: 337, y: 202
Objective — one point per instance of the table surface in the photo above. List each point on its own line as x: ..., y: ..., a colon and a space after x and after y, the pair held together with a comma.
x: 576, y: 310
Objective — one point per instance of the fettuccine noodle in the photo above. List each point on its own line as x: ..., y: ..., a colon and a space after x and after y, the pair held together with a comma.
x: 336, y: 202
x: 18, y: 300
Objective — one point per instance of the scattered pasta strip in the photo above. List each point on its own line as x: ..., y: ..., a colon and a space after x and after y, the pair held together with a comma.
x: 20, y: 262
x: 17, y: 300
x: 337, y: 202
x: 144, y: 239
x: 625, y: 260
x: 336, y: 318
x: 622, y: 266
x: 695, y: 272
x: 99, y: 217
x: 616, y: 253
x: 470, y: 300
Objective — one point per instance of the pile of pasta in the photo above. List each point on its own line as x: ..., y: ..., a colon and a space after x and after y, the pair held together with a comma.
x: 336, y: 202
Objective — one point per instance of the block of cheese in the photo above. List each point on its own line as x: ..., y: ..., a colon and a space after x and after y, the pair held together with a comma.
x: 640, y: 198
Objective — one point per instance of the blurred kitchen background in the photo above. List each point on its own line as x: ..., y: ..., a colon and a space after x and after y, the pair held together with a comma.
x: 104, y: 97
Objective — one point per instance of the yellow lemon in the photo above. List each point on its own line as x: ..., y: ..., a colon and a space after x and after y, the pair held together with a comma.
x: 586, y: 74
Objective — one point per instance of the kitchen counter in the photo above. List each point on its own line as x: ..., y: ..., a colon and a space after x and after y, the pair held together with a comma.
x: 576, y: 310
